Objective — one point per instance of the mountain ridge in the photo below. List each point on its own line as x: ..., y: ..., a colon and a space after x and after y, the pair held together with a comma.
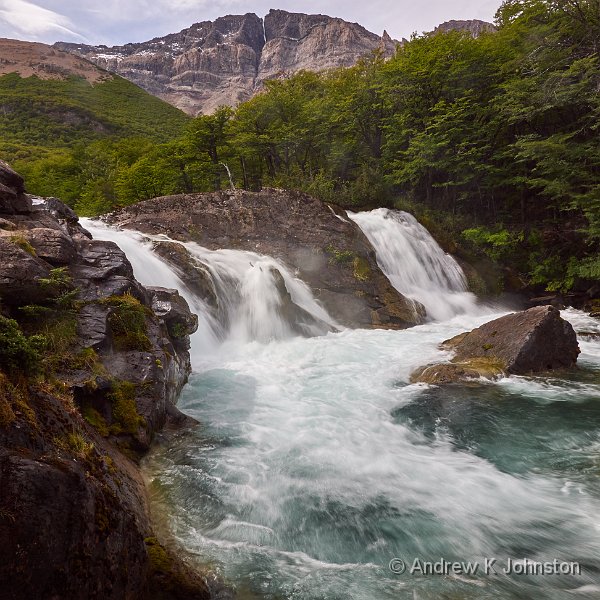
x: 226, y: 61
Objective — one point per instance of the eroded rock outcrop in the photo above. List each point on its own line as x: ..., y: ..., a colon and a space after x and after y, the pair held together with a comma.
x: 326, y: 250
x: 224, y: 62
x: 91, y: 363
x: 533, y: 341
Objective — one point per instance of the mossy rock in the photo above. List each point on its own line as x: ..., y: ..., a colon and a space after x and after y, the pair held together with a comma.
x: 362, y: 270
x: 128, y: 325
x: 457, y: 372
x: 125, y: 417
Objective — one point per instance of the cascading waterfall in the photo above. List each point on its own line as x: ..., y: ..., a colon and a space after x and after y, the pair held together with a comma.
x: 415, y: 264
x: 259, y: 298
x: 318, y: 462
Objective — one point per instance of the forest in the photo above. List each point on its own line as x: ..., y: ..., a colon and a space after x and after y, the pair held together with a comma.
x: 493, y: 142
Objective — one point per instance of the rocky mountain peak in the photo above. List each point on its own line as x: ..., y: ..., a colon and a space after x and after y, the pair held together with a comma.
x: 473, y: 26
x: 224, y: 62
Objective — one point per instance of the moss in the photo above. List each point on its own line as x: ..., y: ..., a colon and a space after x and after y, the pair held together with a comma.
x: 96, y: 420
x: 158, y: 557
x: 485, y: 366
x: 487, y: 347
x: 362, y: 270
x: 76, y: 444
x: 340, y: 256
x: 128, y: 323
x: 178, y: 330
x: 125, y: 416
x: 7, y: 415
x: 20, y: 240
x: 19, y: 353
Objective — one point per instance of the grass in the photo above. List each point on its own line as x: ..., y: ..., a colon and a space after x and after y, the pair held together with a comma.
x: 20, y: 240
x: 125, y: 416
x: 128, y: 323
x: 76, y: 444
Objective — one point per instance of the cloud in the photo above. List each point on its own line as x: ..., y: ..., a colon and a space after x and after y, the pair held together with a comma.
x: 20, y: 18
x: 114, y: 22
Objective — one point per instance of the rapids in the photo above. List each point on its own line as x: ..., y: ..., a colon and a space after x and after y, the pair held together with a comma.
x: 317, y: 462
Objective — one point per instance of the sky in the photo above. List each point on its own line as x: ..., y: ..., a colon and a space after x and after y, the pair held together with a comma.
x: 114, y: 22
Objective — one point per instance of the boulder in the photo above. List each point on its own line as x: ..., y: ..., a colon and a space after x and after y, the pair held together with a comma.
x: 173, y: 309
x: 196, y: 276
x: 533, y: 341
x: 52, y: 245
x: 20, y: 273
x: 12, y: 192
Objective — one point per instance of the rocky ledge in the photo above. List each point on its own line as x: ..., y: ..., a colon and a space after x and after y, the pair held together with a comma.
x: 533, y: 341
x: 91, y: 363
x: 317, y: 241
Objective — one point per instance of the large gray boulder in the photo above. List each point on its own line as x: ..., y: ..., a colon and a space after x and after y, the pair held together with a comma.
x: 533, y: 341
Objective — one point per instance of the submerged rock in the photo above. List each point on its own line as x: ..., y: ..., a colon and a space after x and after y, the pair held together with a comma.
x: 533, y: 341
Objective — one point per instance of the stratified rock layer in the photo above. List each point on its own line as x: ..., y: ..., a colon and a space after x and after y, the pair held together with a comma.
x: 226, y: 61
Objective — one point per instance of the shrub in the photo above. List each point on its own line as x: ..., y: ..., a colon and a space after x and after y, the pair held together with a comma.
x: 19, y: 353
x: 126, y: 418
x: 128, y: 323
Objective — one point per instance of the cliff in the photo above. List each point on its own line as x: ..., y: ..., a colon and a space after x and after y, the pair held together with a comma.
x: 226, y: 61
x: 91, y: 363
x: 475, y: 27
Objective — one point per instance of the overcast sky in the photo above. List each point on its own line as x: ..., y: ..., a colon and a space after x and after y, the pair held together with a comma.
x: 120, y: 21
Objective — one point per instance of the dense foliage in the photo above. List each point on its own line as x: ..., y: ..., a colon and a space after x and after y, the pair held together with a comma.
x: 494, y: 140
x: 60, y: 133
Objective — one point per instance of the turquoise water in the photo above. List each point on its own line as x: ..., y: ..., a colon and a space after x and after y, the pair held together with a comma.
x: 316, y: 463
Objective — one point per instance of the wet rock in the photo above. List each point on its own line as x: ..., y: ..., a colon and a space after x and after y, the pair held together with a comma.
x: 172, y: 308
x: 92, y: 326
x: 300, y: 320
x: 323, y: 247
x: 196, y: 276
x: 51, y: 245
x: 532, y: 341
x: 74, y: 519
x: 20, y: 273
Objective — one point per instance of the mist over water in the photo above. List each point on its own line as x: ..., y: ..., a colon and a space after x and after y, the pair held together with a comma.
x: 317, y: 462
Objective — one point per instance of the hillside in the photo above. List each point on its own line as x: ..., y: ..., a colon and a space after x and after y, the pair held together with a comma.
x: 52, y: 100
x: 225, y: 62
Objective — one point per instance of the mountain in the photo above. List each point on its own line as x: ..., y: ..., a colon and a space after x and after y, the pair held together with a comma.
x: 226, y: 61
x: 53, y: 99
x: 474, y: 26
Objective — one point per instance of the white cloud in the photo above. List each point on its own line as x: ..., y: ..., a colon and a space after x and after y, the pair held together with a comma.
x: 120, y: 21
x: 23, y: 18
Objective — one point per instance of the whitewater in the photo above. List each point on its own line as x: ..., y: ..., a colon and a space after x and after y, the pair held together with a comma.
x: 317, y: 462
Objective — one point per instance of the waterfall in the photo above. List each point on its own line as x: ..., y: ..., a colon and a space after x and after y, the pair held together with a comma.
x: 255, y: 296
x: 415, y: 264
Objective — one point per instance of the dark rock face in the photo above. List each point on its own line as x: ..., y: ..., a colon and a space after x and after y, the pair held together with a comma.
x: 532, y: 341
x: 74, y: 520
x: 13, y: 199
x: 327, y: 251
x: 225, y: 62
